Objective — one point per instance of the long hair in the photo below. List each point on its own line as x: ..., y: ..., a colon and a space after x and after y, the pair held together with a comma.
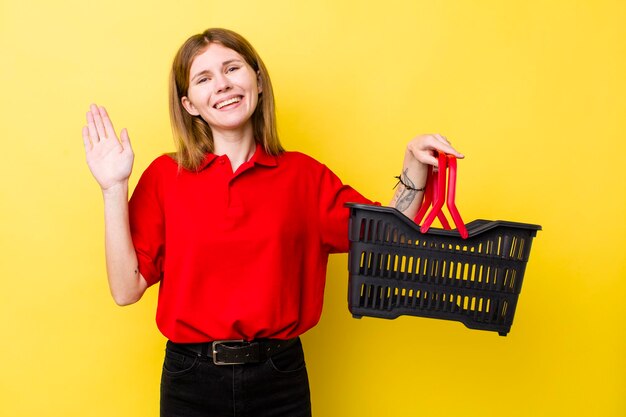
x: 192, y: 134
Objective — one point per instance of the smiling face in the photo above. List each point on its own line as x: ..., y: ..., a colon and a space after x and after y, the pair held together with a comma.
x: 223, y: 89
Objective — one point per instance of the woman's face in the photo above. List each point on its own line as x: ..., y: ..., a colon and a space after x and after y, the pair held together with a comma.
x: 223, y: 89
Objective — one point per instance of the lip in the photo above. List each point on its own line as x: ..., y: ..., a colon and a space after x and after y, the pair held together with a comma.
x: 228, y: 98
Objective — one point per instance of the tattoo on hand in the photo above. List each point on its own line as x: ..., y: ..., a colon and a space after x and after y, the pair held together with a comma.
x: 405, y: 196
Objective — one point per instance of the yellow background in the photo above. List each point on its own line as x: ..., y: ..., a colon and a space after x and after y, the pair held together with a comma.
x: 533, y: 92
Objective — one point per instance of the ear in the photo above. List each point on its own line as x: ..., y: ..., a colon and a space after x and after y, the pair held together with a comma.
x: 188, y: 105
x: 259, y: 84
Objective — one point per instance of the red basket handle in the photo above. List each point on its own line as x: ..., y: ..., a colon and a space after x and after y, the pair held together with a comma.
x: 435, y: 194
x: 432, y: 187
x: 438, y: 185
x: 427, y: 199
x: 454, y: 212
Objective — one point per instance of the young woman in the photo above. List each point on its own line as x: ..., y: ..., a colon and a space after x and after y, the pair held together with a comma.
x: 236, y: 230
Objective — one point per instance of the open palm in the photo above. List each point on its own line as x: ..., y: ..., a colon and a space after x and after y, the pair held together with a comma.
x: 110, y: 159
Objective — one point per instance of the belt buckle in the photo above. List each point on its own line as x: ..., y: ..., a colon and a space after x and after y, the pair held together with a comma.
x: 214, y: 346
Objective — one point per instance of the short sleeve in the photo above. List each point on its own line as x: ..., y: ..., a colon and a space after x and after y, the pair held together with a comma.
x: 334, y: 215
x: 147, y: 224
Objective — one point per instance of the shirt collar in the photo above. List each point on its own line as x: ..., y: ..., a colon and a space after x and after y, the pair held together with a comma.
x: 260, y: 157
x: 208, y: 159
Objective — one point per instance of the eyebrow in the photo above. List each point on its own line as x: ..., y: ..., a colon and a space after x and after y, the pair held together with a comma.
x: 205, y: 71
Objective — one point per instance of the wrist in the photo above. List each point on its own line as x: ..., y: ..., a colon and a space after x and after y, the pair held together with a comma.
x: 407, y: 183
x: 114, y: 190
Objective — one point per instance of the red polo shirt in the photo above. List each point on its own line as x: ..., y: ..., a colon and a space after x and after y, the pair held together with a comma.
x: 239, y: 255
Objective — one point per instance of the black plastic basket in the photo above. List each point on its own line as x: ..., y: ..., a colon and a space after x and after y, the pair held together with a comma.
x: 397, y: 270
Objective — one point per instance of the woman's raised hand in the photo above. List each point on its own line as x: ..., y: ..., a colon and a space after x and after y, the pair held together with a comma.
x: 110, y: 159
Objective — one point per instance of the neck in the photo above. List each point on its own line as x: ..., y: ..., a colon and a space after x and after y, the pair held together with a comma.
x: 238, y: 145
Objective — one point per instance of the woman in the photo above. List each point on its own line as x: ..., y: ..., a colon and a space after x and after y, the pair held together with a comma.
x: 236, y: 231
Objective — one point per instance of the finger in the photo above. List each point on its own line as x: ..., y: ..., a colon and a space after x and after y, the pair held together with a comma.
x: 106, y: 120
x: 430, y: 160
x: 441, y: 138
x: 445, y: 148
x: 98, y: 122
x: 86, y: 140
x: 441, y: 144
x: 91, y: 126
x: 125, y: 139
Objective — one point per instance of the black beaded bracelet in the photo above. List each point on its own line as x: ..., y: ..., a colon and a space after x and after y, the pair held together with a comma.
x: 408, y: 187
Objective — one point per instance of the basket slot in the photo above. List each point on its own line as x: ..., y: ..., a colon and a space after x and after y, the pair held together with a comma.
x: 487, y: 248
x: 385, y: 298
x: 406, y: 266
x: 454, y: 303
x: 496, y: 284
x: 477, y: 305
x: 398, y: 297
x: 450, y: 304
x: 375, y: 296
x: 496, y: 316
x: 433, y: 273
x: 484, y: 316
x: 383, y: 231
x: 517, y: 251
x: 364, y: 230
x: 433, y: 300
x: 509, y: 244
x: 430, y: 299
x: 364, y: 296
x: 379, y: 297
x: 444, y: 303
x: 422, y: 299
x: 484, y: 274
x: 471, y: 279
x: 447, y: 301
x: 508, y: 282
x: 482, y: 310
x: 415, y: 298
x: 503, y: 310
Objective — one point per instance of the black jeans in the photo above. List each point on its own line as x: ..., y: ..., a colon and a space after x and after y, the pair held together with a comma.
x: 193, y: 386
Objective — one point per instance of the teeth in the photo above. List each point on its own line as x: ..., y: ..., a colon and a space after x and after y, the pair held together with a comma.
x: 227, y: 102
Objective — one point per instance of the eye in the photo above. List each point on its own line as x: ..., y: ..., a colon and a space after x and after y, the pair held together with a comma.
x: 232, y: 69
x: 202, y: 80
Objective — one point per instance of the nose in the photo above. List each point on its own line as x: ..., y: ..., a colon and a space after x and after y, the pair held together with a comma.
x: 222, y: 83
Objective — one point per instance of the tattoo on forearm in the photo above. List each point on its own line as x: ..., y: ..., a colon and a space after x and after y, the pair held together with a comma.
x: 405, y: 196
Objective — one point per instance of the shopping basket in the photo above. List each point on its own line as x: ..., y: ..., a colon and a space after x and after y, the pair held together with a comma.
x: 473, y: 274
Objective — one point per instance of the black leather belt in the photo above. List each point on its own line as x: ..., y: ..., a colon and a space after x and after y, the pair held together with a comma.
x: 236, y: 352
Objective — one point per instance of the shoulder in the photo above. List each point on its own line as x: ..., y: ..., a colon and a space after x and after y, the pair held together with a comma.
x: 165, y: 162
x: 163, y: 165
x: 305, y: 167
x: 157, y: 173
x: 299, y: 159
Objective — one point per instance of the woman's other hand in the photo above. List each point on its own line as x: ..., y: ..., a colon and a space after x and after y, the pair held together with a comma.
x: 110, y: 159
x: 420, y: 153
x: 424, y: 147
